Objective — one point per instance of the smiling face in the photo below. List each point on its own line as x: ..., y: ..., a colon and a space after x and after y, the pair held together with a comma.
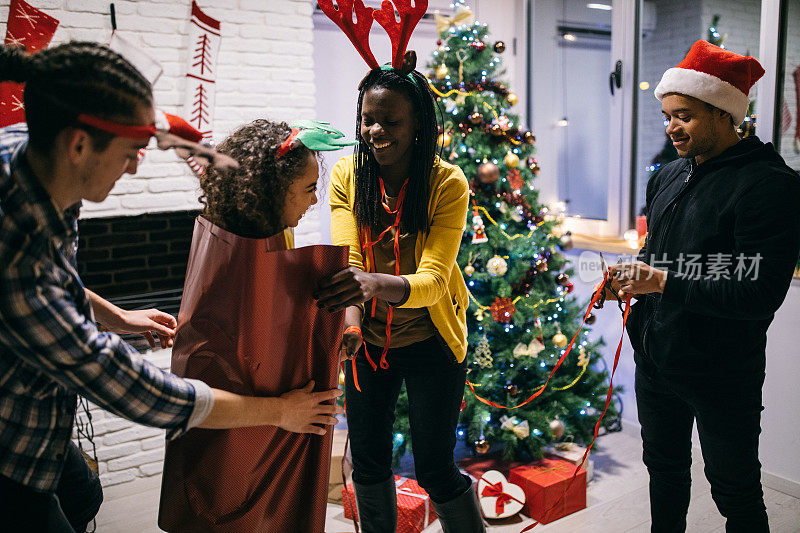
x: 302, y: 193
x: 388, y: 125
x: 694, y: 128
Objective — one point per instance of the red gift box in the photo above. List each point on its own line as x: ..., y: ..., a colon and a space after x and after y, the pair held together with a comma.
x: 414, y: 509
x: 550, y: 492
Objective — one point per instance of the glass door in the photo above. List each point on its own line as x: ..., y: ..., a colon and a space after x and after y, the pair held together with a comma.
x: 581, y: 78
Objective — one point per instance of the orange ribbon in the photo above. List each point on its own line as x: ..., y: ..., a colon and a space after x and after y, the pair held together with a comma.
x: 355, y: 329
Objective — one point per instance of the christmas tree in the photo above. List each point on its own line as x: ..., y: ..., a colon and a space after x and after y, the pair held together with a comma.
x: 521, y: 317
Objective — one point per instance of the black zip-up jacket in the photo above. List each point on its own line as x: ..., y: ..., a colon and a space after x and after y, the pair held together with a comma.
x: 744, y: 202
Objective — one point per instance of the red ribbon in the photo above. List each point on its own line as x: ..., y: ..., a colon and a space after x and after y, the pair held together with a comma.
x: 558, y: 364
x: 605, y: 409
x: 120, y: 130
x: 495, y: 490
x: 367, y: 246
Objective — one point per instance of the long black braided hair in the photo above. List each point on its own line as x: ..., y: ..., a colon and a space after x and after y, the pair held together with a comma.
x: 368, y: 208
x: 72, y: 78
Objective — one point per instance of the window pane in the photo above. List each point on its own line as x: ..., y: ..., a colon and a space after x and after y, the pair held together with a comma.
x: 571, y: 100
x: 668, y: 30
x: 788, y: 141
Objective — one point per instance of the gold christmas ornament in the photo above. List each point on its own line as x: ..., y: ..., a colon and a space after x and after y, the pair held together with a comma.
x: 512, y: 390
x: 441, y: 72
x: 499, y: 47
x: 559, y: 339
x: 481, y: 446
x: 521, y: 429
x: 475, y: 118
x: 479, y: 315
x: 444, y: 140
x: 557, y: 427
x: 469, y: 270
x: 512, y: 99
x: 497, y: 266
x: 532, y: 349
x: 511, y: 160
x: 483, y: 354
x: 496, y: 130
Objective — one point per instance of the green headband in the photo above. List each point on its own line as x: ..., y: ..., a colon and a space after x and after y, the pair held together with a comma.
x: 314, y: 135
x: 415, y: 81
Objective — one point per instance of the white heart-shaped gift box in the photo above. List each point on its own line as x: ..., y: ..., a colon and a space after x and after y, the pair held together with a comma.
x: 488, y: 503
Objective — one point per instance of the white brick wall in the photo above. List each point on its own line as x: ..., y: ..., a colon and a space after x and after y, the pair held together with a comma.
x: 265, y: 69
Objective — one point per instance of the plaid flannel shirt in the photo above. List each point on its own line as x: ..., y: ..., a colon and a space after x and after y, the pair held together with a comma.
x: 50, y: 348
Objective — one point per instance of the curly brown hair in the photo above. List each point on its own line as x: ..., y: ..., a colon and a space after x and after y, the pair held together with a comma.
x: 249, y: 201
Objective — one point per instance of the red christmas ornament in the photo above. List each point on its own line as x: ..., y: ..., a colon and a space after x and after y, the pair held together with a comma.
x: 502, y: 310
x: 480, y: 46
x: 439, y: 42
x: 570, y: 287
x: 515, y: 179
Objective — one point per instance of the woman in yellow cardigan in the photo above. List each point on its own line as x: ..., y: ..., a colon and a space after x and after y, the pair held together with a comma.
x: 402, y: 211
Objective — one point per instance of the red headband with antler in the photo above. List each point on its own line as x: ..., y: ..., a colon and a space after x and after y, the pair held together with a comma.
x: 358, y: 31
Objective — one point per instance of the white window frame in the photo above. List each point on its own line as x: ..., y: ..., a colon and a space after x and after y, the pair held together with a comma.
x: 622, y: 132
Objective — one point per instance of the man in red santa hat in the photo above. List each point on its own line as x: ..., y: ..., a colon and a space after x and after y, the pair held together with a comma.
x: 724, y: 236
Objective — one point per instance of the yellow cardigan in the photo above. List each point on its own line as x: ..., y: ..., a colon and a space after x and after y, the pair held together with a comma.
x: 437, y: 283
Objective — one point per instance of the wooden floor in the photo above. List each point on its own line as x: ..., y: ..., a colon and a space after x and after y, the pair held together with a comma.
x: 617, y: 501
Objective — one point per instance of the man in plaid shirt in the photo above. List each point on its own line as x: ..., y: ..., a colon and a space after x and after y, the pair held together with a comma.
x: 88, y: 112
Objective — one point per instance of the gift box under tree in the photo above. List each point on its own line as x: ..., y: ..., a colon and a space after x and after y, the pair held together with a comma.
x: 572, y: 453
x: 550, y: 492
x: 414, y: 509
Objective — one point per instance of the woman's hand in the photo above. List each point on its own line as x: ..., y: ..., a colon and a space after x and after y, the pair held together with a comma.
x: 351, y: 340
x: 346, y: 288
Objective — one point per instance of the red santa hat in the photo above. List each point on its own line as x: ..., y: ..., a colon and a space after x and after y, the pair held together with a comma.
x: 715, y: 76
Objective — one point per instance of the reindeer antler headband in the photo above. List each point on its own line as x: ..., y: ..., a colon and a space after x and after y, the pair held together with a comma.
x: 355, y: 20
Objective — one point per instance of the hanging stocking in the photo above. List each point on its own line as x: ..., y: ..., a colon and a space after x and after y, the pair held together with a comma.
x: 201, y: 74
x: 33, y: 29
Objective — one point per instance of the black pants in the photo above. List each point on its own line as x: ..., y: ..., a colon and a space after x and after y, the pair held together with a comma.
x: 435, y: 386
x: 67, y: 510
x: 728, y: 423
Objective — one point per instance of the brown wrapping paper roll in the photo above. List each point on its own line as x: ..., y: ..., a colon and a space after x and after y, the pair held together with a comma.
x: 248, y: 324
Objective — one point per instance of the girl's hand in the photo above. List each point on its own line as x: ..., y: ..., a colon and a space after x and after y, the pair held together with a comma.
x: 346, y: 288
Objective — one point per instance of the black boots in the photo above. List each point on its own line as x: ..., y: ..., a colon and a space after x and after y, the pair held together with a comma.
x: 462, y: 514
x: 377, y: 510
x: 377, y: 507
